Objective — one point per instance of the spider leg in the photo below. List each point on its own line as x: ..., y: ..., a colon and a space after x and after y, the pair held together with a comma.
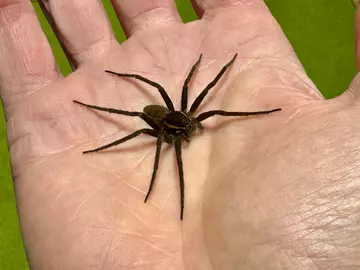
x: 208, y: 114
x: 161, y: 89
x: 146, y: 131
x: 156, y: 163
x: 181, y: 174
x: 184, y: 95
x: 203, y: 94
x: 109, y: 110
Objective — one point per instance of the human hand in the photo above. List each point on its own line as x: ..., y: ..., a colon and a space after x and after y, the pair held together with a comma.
x: 246, y: 179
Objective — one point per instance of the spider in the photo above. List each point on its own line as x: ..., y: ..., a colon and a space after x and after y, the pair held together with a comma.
x: 168, y: 124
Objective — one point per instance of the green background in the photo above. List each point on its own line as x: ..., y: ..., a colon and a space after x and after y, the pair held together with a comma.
x: 321, y: 32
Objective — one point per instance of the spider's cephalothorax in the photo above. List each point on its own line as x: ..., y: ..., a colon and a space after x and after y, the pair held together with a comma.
x: 173, y: 123
x: 168, y: 124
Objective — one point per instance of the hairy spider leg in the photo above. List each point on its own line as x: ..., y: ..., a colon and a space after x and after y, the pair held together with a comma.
x: 146, y: 131
x: 161, y: 89
x: 208, y: 114
x: 110, y: 110
x: 184, y: 94
x: 203, y: 94
x: 156, y: 163
x: 150, y: 132
x: 181, y: 173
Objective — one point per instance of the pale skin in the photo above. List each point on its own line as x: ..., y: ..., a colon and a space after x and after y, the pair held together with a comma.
x: 280, y: 191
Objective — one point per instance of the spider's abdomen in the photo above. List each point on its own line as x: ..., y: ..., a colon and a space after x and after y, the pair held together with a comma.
x: 156, y: 111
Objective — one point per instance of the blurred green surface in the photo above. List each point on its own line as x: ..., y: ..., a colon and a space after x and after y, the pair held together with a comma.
x: 320, y: 31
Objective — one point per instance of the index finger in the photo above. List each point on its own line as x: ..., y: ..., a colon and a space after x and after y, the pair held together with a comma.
x: 27, y: 62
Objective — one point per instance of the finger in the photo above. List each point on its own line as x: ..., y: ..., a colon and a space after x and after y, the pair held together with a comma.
x: 141, y: 14
x: 353, y: 93
x: 27, y: 62
x: 357, y: 38
x: 204, y: 6
x: 82, y: 27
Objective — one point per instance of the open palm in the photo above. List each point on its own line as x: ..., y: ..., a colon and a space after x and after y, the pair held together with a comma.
x: 86, y: 211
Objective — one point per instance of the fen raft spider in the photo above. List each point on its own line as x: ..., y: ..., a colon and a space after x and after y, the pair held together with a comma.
x: 170, y: 125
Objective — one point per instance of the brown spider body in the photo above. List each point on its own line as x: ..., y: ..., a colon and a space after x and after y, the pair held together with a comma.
x: 168, y: 124
x: 171, y: 122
